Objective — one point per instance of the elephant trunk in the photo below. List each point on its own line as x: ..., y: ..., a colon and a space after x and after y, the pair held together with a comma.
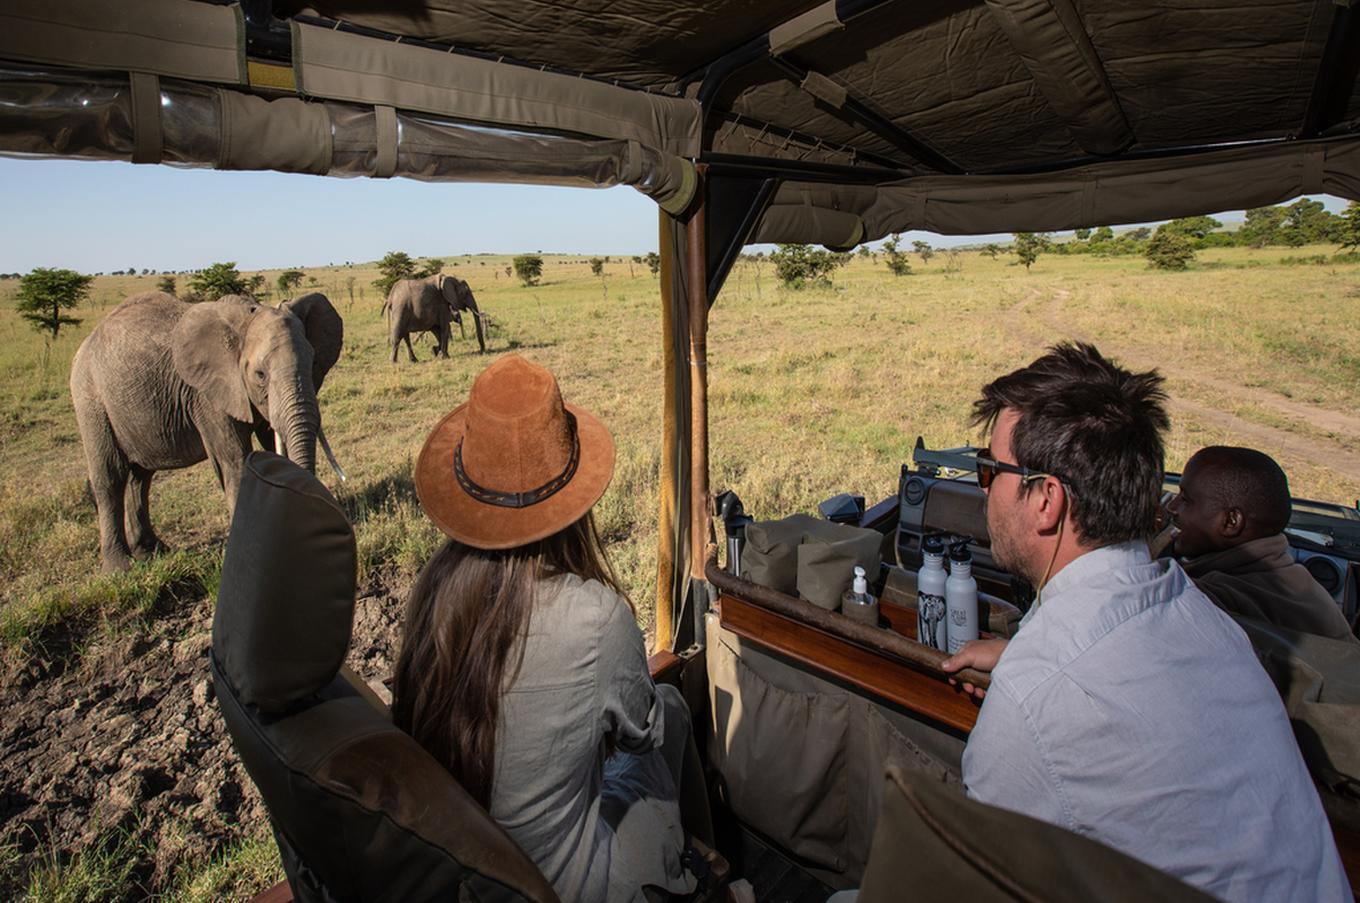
x: 296, y: 419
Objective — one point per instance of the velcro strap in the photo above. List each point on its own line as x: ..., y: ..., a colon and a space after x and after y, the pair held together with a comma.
x: 147, y: 140
x: 385, y: 136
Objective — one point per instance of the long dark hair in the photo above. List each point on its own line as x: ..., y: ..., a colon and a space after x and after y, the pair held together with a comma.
x: 463, y: 642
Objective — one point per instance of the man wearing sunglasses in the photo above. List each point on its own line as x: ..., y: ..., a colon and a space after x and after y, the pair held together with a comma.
x: 1127, y: 707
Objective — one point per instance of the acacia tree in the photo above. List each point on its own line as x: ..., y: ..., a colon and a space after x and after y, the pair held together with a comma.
x: 653, y: 262
x: 289, y: 280
x: 1348, y: 232
x: 395, y: 266
x: 45, y: 293
x: 166, y: 284
x: 529, y: 268
x: 1028, y: 247
x: 924, y: 249
x: 217, y: 280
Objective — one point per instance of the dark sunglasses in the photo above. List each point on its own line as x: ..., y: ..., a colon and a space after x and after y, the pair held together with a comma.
x: 988, y: 467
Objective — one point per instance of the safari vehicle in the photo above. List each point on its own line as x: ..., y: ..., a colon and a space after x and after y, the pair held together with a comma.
x: 834, y: 122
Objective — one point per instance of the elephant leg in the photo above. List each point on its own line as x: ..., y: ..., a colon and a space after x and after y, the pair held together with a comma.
x: 227, y: 443
x: 409, y: 350
x: 108, y: 468
x: 444, y: 334
x: 481, y: 331
x: 141, y: 538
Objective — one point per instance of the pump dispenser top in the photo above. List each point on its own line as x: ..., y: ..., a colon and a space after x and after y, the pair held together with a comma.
x: 861, y: 586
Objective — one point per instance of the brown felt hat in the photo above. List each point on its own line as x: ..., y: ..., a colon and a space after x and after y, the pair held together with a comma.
x: 514, y: 464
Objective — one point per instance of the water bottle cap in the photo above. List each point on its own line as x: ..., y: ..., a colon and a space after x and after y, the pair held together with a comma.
x: 933, y: 544
x: 958, y: 553
x: 861, y: 586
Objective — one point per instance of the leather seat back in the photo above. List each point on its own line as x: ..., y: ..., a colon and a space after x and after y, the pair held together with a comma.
x: 359, y: 809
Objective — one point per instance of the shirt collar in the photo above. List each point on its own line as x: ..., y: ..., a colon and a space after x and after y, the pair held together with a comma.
x: 1107, y: 558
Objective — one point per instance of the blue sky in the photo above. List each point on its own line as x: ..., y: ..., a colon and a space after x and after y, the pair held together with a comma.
x: 98, y: 216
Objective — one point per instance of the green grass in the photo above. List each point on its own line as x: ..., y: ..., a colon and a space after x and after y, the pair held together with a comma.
x: 243, y: 869
x: 104, y: 870
x: 811, y: 393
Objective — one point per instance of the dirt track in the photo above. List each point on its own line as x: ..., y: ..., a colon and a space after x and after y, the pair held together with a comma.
x: 132, y: 738
x: 1020, y: 322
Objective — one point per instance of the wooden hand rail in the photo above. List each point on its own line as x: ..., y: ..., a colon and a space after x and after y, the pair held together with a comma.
x: 884, y: 642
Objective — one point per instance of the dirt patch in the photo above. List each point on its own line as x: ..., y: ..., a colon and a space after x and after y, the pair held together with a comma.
x: 133, y: 739
x: 1259, y: 435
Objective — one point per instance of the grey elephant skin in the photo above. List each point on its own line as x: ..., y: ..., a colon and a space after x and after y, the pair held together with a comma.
x: 430, y: 305
x: 162, y: 384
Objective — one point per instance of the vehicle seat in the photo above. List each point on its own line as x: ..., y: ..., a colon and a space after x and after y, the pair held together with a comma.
x: 360, y: 811
x: 946, y: 847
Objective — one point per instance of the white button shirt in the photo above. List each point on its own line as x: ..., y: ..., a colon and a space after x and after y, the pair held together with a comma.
x: 1131, y: 710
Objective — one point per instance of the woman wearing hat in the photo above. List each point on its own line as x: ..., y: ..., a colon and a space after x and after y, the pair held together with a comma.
x: 522, y: 668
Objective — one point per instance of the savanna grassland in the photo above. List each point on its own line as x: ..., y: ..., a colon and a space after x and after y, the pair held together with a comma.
x: 812, y: 392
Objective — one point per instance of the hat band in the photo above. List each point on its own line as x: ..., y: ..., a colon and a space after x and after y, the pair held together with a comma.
x: 519, y: 499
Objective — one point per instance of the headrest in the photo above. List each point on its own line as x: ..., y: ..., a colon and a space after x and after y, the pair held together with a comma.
x: 286, y: 602
x: 965, y: 850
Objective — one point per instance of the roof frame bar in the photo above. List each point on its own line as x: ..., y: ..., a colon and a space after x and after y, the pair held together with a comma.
x: 799, y: 170
x: 716, y: 74
x: 1336, y: 74
x: 880, y: 125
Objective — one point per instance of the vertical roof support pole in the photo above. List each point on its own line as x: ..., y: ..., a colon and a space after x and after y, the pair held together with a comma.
x: 673, y: 515
x: 696, y: 260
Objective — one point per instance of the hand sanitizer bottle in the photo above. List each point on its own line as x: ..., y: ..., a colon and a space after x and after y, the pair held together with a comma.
x: 857, y: 604
x: 961, y: 598
x: 930, y: 600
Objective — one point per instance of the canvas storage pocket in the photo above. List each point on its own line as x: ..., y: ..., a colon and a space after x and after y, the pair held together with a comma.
x: 782, y: 757
x: 827, y: 559
x: 770, y: 557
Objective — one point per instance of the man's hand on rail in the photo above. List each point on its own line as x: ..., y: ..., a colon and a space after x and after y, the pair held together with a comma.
x: 979, y: 654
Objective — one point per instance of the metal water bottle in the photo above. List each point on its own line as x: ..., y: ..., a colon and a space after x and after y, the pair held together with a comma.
x: 931, y: 609
x: 961, y: 598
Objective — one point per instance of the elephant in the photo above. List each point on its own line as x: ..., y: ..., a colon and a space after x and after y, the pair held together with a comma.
x: 430, y: 305
x: 161, y: 384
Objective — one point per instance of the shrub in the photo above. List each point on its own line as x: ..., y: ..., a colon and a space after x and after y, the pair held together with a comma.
x: 897, y: 261
x: 653, y: 262
x: 529, y: 268
x: 801, y: 265
x: 596, y: 266
x: 166, y: 284
x: 924, y: 249
x: 1170, y: 250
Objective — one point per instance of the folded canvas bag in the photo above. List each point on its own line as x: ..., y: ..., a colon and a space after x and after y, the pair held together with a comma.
x: 770, y: 556
x: 827, y: 559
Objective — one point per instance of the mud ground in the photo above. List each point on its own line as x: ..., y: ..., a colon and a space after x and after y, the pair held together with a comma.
x: 131, y: 738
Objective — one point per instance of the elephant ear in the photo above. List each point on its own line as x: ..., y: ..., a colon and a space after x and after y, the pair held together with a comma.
x: 207, y: 345
x: 324, y: 328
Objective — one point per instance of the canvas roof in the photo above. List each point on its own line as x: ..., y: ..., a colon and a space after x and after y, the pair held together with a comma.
x: 873, y: 115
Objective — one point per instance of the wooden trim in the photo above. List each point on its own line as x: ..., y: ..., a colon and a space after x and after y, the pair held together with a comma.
x: 662, y: 664
x: 279, y: 893
x: 889, y: 678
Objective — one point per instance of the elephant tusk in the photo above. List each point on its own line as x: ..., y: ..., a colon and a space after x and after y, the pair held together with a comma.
x: 278, y: 445
x: 330, y: 456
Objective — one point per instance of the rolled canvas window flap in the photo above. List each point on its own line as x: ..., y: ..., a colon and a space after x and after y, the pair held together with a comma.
x: 804, y: 224
x: 338, y: 66
x: 1120, y: 192
x: 175, y: 38
x: 284, y: 134
x: 80, y: 115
